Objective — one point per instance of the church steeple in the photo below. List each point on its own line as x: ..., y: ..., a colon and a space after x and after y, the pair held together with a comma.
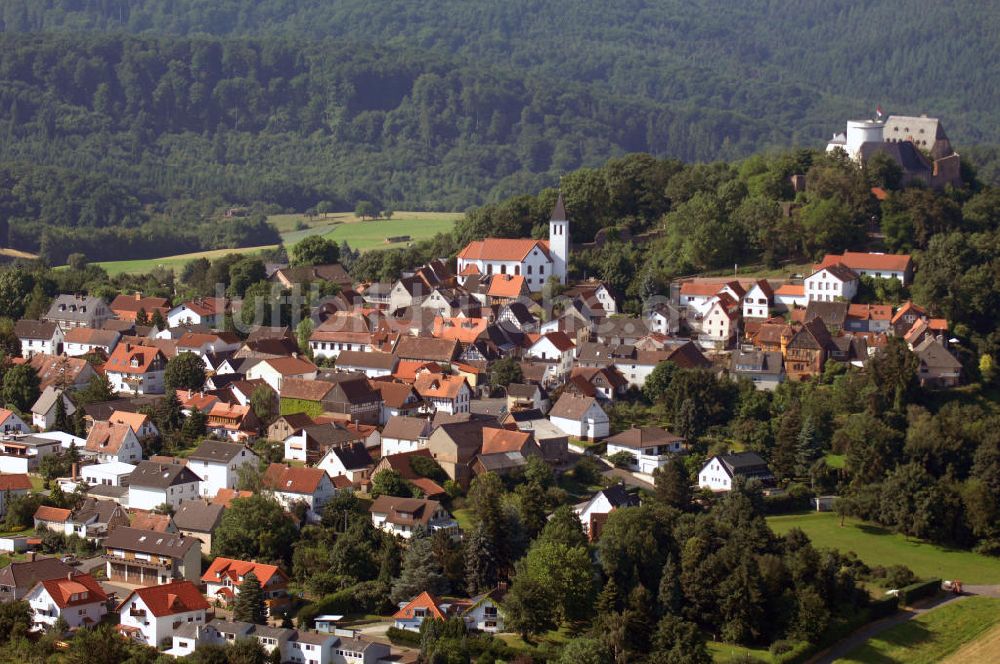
x: 559, y: 239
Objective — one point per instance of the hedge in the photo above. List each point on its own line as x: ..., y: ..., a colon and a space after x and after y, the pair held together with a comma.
x: 798, y: 498
x: 916, y: 591
x: 403, y: 637
x: 292, y: 406
x: 884, y: 607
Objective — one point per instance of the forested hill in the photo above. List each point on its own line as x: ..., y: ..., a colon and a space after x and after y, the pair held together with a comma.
x: 802, y: 64
x: 292, y: 123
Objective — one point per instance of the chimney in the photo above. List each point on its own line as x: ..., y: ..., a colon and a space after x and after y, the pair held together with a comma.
x: 138, y: 296
x: 69, y: 575
x: 75, y: 468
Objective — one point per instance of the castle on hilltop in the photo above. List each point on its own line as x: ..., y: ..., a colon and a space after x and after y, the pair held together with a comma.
x: 918, y: 144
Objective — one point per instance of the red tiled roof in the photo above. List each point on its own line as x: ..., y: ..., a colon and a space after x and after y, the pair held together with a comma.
x: 559, y: 339
x: 123, y: 355
x: 131, y: 304
x: 135, y: 421
x: 285, y: 479
x: 107, y: 437
x: 235, y: 570
x: 169, y: 599
x: 407, y: 370
x: 424, y: 600
x: 440, y: 386
x: 857, y: 260
x: 83, y: 587
x: 496, y: 441
x: 465, y: 330
x: 791, y: 290
x: 225, y: 497
x: 506, y: 285
x: 290, y: 366
x: 15, y: 482
x: 699, y: 288
x: 52, y: 514
x: 908, y: 307
x: 500, y: 249
x: 206, y: 306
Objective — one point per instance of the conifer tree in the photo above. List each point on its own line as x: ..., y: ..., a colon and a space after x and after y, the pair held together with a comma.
x: 250, y: 601
x: 420, y: 570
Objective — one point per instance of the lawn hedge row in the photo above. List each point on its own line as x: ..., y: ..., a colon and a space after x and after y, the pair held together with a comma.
x: 915, y: 591
x: 403, y: 637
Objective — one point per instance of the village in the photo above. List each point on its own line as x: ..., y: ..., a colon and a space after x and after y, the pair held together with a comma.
x: 404, y: 394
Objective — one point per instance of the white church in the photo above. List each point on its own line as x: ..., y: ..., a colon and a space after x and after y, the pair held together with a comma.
x: 535, y: 260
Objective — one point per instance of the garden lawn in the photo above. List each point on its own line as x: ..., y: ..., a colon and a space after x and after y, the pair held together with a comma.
x: 878, y: 546
x: 464, y: 518
x: 933, y: 635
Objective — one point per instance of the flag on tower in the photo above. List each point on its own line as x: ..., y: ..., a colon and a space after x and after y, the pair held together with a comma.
x: 878, y: 111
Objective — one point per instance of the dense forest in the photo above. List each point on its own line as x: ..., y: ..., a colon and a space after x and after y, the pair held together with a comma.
x: 448, y: 104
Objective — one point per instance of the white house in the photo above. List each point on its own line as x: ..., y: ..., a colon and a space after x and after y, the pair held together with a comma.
x: 594, y: 512
x: 43, y: 411
x: 555, y: 347
x: 218, y: 464
x: 649, y: 447
x: 405, y: 434
x: 23, y: 454
x: 834, y: 282
x: 351, y: 461
x: 152, y: 615
x: 83, y: 340
x: 38, y: 338
x: 142, y: 425
x: 330, y: 339
x: 136, y: 369
x: 291, y: 485
x: 109, y: 441
x: 536, y: 260
x: 18, y: 484
x: 11, y: 423
x: 720, y: 323
x: 372, y: 364
x: 484, y: 613
x: 275, y: 370
x: 224, y: 577
x: 449, y: 394
x: 401, y: 516
x: 153, y: 483
x: 580, y: 416
x: 720, y: 471
x: 208, y: 311
x: 758, y: 300
x: 112, y: 473
x: 876, y: 265
x: 77, y: 598
x: 790, y: 296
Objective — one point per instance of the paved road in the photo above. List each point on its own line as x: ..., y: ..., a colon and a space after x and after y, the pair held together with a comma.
x: 845, y: 646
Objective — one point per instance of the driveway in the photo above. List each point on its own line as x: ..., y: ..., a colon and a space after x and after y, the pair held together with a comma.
x: 629, y: 478
x: 846, y: 645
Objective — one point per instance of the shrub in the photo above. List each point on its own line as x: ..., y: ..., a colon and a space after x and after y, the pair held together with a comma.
x: 781, y: 646
x: 622, y: 459
x: 403, y: 637
x: 894, y: 576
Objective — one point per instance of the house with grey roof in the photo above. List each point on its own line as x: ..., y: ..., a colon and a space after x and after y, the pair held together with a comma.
x: 218, y: 464
x: 151, y: 558
x: 43, y: 411
x: 17, y: 578
x: 153, y: 484
x: 721, y: 471
x: 38, y: 337
x: 198, y: 519
x: 766, y: 369
x: 78, y: 310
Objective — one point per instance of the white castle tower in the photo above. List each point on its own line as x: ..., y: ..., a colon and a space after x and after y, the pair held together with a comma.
x: 858, y: 133
x: 559, y: 240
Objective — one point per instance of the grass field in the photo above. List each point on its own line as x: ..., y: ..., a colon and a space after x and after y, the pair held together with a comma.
x: 727, y: 652
x: 878, y: 546
x: 362, y: 235
x: 933, y: 635
x: 983, y: 649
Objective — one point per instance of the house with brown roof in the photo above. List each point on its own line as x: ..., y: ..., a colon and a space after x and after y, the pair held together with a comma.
x: 404, y: 434
x: 292, y: 485
x: 581, y: 417
x: 110, y: 441
x: 148, y: 558
x: 136, y: 369
x: 351, y: 398
x: 402, y: 464
x: 208, y: 311
x: 274, y: 371
x: 85, y: 340
x: 233, y: 422
x: 758, y: 300
x: 401, y: 516
x: 605, y: 383
x: 208, y: 343
x: 38, y: 337
x: 17, y: 578
x: 455, y: 446
x: 906, y: 316
x: 372, y: 364
x: 504, y: 451
x: 650, y: 447
x: 808, y: 349
x: 309, y: 274
x: 13, y: 484
x: 831, y: 283
x: 351, y: 461
x: 398, y: 399
x: 868, y: 318
x: 555, y: 348
x: 427, y: 349
x: 127, y: 307
x: 61, y: 371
